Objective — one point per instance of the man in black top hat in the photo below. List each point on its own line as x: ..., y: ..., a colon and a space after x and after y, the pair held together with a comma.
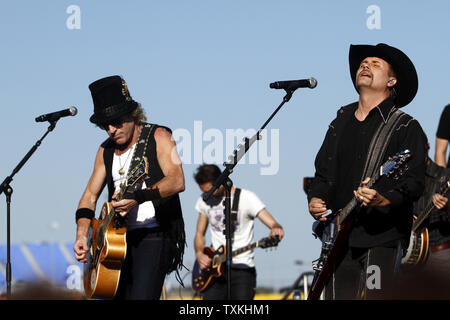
x: 386, y: 80
x: 155, y: 227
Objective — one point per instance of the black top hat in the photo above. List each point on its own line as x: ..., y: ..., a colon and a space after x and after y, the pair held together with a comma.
x: 407, y: 82
x: 111, y: 99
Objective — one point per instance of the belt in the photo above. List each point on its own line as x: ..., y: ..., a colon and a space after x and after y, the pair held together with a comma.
x: 441, y: 246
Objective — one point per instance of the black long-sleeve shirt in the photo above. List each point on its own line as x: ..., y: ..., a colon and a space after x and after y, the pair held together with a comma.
x: 443, y: 130
x: 340, y: 163
x: 438, y: 222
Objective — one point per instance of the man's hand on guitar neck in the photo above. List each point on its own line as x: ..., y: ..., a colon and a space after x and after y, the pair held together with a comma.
x: 370, y: 197
x: 277, y: 231
x: 203, y: 260
x: 441, y: 202
x: 123, y: 206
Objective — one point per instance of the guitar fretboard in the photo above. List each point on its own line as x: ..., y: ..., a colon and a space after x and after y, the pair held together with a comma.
x: 243, y: 249
x: 254, y: 245
x: 428, y: 209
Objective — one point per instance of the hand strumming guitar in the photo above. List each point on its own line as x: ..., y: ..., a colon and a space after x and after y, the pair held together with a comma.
x: 203, y: 260
x: 317, y: 207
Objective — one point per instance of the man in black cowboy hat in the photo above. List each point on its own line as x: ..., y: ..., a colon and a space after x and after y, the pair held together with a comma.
x: 386, y: 80
x: 155, y: 227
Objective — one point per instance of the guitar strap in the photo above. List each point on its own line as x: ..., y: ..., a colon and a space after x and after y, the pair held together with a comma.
x: 141, y: 147
x: 377, y: 150
x: 234, y: 208
x: 380, y: 140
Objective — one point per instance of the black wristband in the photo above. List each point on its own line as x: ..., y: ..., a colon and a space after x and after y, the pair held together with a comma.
x: 395, y: 197
x: 84, y: 213
x: 146, y: 195
x: 129, y: 195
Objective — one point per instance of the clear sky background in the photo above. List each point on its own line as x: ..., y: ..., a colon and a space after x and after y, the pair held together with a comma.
x: 198, y: 60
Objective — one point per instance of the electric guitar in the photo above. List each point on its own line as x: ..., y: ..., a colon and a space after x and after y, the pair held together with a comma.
x: 107, y: 243
x: 419, y: 244
x: 333, y: 241
x: 202, y: 279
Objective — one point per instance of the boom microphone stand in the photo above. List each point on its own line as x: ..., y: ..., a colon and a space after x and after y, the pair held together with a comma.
x: 6, y: 188
x: 224, y: 180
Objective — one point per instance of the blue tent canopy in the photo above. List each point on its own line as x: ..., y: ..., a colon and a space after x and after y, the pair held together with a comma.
x: 33, y: 262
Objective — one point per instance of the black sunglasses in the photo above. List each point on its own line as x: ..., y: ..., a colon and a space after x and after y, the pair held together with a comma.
x: 115, y: 123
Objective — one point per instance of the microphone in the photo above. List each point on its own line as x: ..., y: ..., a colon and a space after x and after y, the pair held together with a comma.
x: 294, y: 84
x: 56, y: 115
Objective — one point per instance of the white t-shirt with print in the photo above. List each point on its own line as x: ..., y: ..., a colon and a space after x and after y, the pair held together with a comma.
x: 249, y: 207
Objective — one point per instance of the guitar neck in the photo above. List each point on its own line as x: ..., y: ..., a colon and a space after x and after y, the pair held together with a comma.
x: 427, y: 210
x: 244, y: 249
x: 133, y: 178
x: 422, y: 218
x: 236, y: 252
x: 123, y: 190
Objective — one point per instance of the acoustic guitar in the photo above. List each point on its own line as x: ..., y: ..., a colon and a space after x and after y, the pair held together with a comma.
x: 202, y: 279
x: 107, y: 243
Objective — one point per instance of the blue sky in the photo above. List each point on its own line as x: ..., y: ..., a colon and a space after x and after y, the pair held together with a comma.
x: 188, y: 61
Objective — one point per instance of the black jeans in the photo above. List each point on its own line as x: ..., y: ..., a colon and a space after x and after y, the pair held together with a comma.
x: 145, y: 266
x: 364, y: 273
x: 243, y: 285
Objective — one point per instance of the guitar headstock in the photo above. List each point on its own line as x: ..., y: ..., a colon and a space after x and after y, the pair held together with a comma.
x: 268, y: 242
x: 137, y: 174
x: 396, y: 165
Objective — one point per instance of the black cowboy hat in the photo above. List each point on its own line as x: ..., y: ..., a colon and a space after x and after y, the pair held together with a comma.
x: 111, y: 99
x: 407, y: 82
